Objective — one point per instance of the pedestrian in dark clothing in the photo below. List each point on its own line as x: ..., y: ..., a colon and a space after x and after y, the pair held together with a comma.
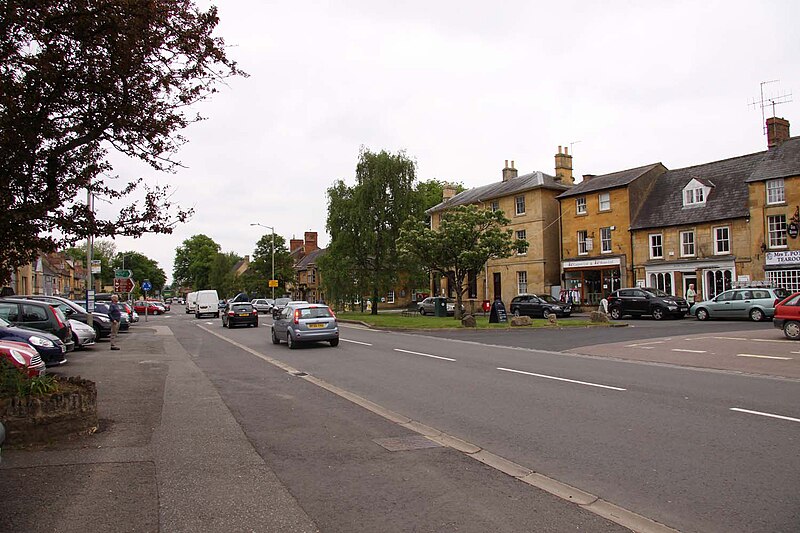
x: 115, y: 315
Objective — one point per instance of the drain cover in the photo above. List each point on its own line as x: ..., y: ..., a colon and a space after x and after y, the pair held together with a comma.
x: 400, y: 444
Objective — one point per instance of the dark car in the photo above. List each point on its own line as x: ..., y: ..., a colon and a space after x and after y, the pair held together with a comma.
x: 33, y: 314
x: 305, y: 322
x: 100, y: 322
x: 125, y: 319
x: 50, y: 347
x: 280, y: 303
x: 539, y: 305
x: 239, y: 313
x: 639, y: 301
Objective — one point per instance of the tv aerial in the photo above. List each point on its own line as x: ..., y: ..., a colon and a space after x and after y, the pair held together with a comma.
x: 770, y: 99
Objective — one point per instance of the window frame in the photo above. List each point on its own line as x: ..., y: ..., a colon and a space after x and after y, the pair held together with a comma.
x: 522, y: 281
x: 718, y: 241
x: 684, y: 244
x: 775, y: 190
x: 524, y: 238
x: 777, y: 238
x: 519, y: 201
x: 603, y: 241
x: 580, y: 205
x: 582, y: 236
x: 495, y: 205
x: 607, y: 196
x: 652, y: 247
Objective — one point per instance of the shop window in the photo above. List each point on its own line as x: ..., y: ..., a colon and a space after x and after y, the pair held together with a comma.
x: 582, y: 249
x: 785, y: 279
x: 718, y: 281
x: 775, y: 191
x: 662, y: 281
x: 656, y: 246
x: 580, y: 205
x: 522, y: 236
x: 604, y: 201
x: 687, y: 243
x: 605, y: 240
x: 522, y: 282
x: 776, y: 225
x: 519, y: 203
x: 722, y: 240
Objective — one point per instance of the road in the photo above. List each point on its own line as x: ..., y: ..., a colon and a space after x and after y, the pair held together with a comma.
x: 695, y: 449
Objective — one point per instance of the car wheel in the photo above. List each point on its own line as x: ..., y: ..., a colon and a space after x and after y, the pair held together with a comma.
x: 275, y: 339
x: 216, y: 315
x: 255, y: 325
x: 422, y: 311
x: 290, y: 341
x: 546, y: 314
x: 616, y: 313
x: 792, y: 330
x: 334, y: 342
x: 702, y: 314
x: 756, y: 314
x: 658, y: 313
x: 76, y: 340
x: 197, y: 315
x: 516, y: 312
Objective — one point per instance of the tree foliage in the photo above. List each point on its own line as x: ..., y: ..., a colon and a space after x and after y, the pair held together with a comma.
x: 142, y: 268
x: 194, y: 260
x: 79, y: 80
x: 261, y: 267
x: 464, y: 241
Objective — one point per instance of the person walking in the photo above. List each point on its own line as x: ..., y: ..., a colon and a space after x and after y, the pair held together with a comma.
x: 115, y: 315
x: 691, y: 294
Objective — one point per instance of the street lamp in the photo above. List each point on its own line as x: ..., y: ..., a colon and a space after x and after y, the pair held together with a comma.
x: 273, y: 252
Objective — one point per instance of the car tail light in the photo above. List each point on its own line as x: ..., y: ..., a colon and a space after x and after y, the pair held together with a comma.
x: 332, y: 313
x: 231, y: 313
x: 255, y: 312
x: 296, y: 316
x: 776, y: 302
x: 60, y: 323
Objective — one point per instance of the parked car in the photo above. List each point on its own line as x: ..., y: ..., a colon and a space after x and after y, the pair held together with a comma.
x: 305, y: 322
x: 125, y: 318
x: 539, y: 305
x: 426, y: 307
x: 639, y: 301
x: 787, y: 316
x: 140, y: 306
x: 754, y: 303
x: 131, y: 312
x: 280, y: 303
x: 34, y: 314
x: 262, y: 305
x: 83, y: 334
x: 23, y: 356
x: 239, y: 313
x: 52, y: 350
x: 75, y: 311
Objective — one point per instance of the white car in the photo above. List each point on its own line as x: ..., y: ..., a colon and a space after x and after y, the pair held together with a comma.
x: 83, y: 335
x: 262, y: 305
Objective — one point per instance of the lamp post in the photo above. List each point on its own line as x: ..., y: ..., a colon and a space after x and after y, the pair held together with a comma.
x: 273, y: 251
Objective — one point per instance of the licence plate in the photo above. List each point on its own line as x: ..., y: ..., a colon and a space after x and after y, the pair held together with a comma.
x: 684, y: 308
x: 244, y: 314
x: 316, y: 325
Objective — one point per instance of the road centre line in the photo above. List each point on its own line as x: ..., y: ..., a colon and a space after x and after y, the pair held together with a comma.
x: 687, y: 351
x: 770, y: 415
x: 561, y: 379
x: 355, y: 342
x: 763, y: 356
x: 645, y: 343
x: 425, y: 355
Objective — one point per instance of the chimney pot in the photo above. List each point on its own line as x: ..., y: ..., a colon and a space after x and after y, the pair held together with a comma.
x: 512, y: 163
x: 566, y: 150
x: 506, y: 164
x: 559, y: 148
x: 509, y: 172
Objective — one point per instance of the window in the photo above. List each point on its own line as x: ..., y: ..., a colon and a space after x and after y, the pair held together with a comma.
x: 605, y: 240
x: 693, y: 196
x: 521, y: 235
x: 687, y: 243
x: 580, y: 205
x: 495, y: 205
x: 519, y: 202
x: 582, y: 250
x: 717, y: 282
x: 390, y: 297
x: 662, y: 281
x: 656, y: 246
x: 775, y: 191
x: 787, y: 279
x: 604, y: 201
x: 722, y: 240
x: 776, y: 225
x: 522, y: 282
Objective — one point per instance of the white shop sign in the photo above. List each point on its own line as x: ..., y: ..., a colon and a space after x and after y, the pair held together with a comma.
x: 592, y: 263
x: 782, y: 258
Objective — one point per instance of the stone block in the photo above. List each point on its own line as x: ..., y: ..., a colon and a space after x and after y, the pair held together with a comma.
x: 520, y: 321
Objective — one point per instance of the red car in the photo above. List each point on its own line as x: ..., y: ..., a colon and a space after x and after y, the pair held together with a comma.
x: 787, y: 316
x: 22, y: 356
x: 152, y: 309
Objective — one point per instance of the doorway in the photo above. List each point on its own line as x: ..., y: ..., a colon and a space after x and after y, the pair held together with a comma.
x: 498, y: 290
x: 689, y: 279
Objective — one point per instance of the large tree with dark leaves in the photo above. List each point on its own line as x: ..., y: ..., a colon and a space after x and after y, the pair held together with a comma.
x: 78, y: 81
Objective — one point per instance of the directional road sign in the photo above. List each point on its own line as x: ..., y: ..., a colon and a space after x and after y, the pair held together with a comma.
x: 123, y: 285
x: 146, y: 285
x: 123, y: 273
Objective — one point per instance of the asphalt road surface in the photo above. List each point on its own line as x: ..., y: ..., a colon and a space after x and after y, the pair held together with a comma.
x: 695, y: 449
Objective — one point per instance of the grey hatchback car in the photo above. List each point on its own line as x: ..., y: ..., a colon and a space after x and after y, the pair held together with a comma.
x: 304, y: 322
x: 754, y: 303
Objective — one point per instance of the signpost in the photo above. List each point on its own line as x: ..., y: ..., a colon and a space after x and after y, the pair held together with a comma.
x: 123, y: 273
x: 146, y: 286
x: 124, y: 285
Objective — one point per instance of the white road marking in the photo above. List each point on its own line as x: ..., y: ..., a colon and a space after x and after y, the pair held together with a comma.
x: 210, y: 323
x: 688, y: 351
x: 640, y: 347
x: 789, y: 418
x: 639, y: 344
x: 763, y: 356
x: 356, y: 342
x: 729, y: 338
x: 560, y: 379
x: 424, y: 354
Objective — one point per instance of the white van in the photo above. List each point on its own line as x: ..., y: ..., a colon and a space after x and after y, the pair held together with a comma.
x: 191, y: 303
x: 207, y: 303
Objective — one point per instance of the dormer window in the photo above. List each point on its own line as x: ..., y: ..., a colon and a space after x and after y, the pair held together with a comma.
x: 696, y: 192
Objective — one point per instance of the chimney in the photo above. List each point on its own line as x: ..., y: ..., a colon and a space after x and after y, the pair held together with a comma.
x: 295, y: 244
x: 509, y: 173
x: 587, y: 177
x: 448, y: 191
x: 311, y: 241
x: 564, y: 167
x: 777, y: 131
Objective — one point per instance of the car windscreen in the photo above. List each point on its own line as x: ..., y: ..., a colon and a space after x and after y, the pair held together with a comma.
x: 547, y: 298
x: 315, y: 312
x: 241, y: 308
x: 656, y: 292
x: 282, y: 301
x: 3, y: 323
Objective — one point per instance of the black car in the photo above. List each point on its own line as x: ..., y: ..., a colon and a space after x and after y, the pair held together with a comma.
x: 539, y: 305
x: 50, y: 347
x: 125, y: 318
x: 639, y: 301
x: 280, y: 303
x: 33, y: 314
x: 239, y: 313
x: 100, y: 322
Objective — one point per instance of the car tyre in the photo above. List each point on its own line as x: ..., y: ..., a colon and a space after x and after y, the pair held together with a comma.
x: 546, y: 314
x: 616, y: 313
x: 756, y: 314
x: 658, y: 313
x: 275, y: 339
x: 197, y: 315
x: 334, y: 343
x: 702, y: 314
x: 422, y: 311
x: 516, y: 312
x: 290, y: 341
x: 792, y: 330
x: 255, y: 325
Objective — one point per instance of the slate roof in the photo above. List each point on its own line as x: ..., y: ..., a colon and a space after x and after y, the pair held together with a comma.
x: 310, y: 258
x: 526, y: 182
x: 608, y: 181
x: 780, y: 162
x: 728, y: 197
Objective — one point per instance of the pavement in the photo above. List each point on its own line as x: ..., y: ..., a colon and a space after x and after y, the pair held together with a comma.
x: 170, y: 455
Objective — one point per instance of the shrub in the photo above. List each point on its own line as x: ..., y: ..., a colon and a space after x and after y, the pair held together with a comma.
x: 15, y: 382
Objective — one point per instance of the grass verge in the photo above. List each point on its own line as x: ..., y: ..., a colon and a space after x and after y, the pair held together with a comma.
x: 395, y: 320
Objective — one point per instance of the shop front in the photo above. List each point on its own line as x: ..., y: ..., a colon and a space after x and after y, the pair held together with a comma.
x: 708, y: 278
x: 590, y: 280
x: 782, y: 269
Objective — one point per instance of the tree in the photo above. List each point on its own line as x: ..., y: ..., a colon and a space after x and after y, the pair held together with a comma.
x: 80, y: 80
x: 364, y: 220
x: 103, y: 251
x: 261, y: 268
x: 464, y: 241
x: 142, y: 268
x: 194, y: 259
x: 221, y: 275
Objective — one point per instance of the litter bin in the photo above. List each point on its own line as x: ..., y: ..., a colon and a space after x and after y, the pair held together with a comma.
x: 440, y: 306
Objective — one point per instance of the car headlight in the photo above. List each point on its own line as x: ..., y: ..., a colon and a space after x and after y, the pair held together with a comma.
x: 102, y: 318
x: 40, y: 341
x: 17, y: 357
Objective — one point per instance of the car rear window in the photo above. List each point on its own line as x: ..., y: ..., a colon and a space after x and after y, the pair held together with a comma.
x: 315, y: 312
x: 242, y: 308
x: 782, y: 293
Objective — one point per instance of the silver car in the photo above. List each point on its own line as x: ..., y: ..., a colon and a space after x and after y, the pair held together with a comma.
x: 754, y: 303
x: 262, y: 305
x: 83, y: 335
x: 305, y: 322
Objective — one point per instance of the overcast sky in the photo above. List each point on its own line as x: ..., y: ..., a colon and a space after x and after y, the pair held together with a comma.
x: 462, y: 86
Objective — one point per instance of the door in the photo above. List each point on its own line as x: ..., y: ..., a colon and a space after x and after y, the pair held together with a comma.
x: 723, y: 305
x: 498, y: 289
x: 689, y: 279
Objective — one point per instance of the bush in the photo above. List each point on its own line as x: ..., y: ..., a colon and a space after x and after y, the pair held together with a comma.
x: 15, y: 382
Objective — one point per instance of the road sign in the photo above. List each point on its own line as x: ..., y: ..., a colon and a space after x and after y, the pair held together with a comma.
x: 96, y: 266
x: 146, y: 285
x: 123, y: 285
x: 273, y: 283
x: 123, y: 273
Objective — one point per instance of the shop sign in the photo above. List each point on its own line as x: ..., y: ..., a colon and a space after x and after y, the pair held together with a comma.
x: 592, y: 263
x: 782, y: 258
x: 792, y: 230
